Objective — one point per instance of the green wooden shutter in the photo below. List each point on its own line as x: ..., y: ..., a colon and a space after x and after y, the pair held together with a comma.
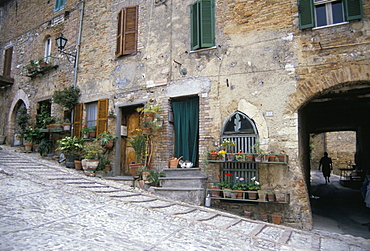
x: 207, y: 30
x: 194, y: 26
x: 353, y: 9
x: 130, y: 30
x: 306, y: 14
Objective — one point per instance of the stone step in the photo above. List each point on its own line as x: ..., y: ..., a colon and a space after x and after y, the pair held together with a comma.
x: 126, y: 180
x: 194, y: 196
x: 184, y: 172
x: 188, y: 182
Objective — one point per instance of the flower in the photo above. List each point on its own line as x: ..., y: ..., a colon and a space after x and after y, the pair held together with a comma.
x: 240, y: 184
x: 85, y: 129
x: 254, y: 185
x: 228, y: 174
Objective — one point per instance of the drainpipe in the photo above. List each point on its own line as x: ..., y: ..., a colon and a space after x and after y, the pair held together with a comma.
x: 82, y: 9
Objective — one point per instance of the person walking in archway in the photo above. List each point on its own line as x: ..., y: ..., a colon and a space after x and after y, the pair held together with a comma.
x: 327, y: 166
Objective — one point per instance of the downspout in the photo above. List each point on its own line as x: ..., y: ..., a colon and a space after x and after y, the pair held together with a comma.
x: 82, y: 9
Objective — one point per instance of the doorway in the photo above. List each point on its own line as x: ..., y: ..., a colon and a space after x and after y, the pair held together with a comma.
x: 343, y: 109
x: 131, y: 123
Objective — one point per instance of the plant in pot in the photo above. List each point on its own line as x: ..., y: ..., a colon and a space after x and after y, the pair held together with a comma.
x: 85, y: 131
x: 240, y: 185
x: 44, y: 147
x: 106, y: 163
x: 111, y: 114
x: 258, y: 152
x: 91, y: 154
x: 72, y: 147
x: 138, y: 142
x: 253, y: 187
x: 67, y: 125
x: 149, y: 111
x: 68, y: 97
x: 229, y: 147
x: 106, y: 139
x: 153, y: 177
x: 22, y: 120
x: 92, y: 131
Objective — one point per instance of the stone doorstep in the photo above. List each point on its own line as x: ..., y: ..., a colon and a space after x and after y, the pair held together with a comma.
x: 194, y: 196
x: 184, y: 172
x: 189, y: 182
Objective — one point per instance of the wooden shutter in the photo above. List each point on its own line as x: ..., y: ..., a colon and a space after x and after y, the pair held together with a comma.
x: 127, y: 32
x: 353, y: 9
x: 8, y: 62
x: 207, y: 30
x: 306, y: 14
x: 102, y: 122
x: 119, y: 40
x: 194, y: 26
x: 77, y: 120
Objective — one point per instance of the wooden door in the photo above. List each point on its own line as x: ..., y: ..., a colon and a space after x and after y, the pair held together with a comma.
x: 132, y: 121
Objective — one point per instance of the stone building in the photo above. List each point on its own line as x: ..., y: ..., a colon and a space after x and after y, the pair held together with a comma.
x: 249, y: 71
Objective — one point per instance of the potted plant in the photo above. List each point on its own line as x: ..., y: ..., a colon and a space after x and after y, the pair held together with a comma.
x: 138, y: 142
x: 252, y: 189
x: 67, y: 125
x: 44, y: 147
x: 106, y: 139
x: 91, y: 154
x: 68, y: 97
x: 22, y: 120
x: 106, y: 163
x: 229, y: 147
x: 258, y: 152
x: 149, y: 111
x: 111, y: 114
x: 240, y: 185
x: 154, y: 176
x: 85, y: 131
x: 72, y: 147
x: 92, y: 131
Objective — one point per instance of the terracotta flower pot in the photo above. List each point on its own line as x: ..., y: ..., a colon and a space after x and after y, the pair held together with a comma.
x: 276, y: 219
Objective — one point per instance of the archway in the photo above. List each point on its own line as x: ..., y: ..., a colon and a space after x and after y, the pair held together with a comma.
x: 344, y: 107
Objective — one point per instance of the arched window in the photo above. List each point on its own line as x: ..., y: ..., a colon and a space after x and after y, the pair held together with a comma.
x: 242, y: 130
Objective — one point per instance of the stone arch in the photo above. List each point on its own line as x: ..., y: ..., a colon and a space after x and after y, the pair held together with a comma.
x: 319, y: 83
x: 20, y: 97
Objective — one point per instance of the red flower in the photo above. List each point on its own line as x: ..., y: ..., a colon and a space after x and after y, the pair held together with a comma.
x: 85, y: 125
x: 228, y: 174
x: 219, y: 175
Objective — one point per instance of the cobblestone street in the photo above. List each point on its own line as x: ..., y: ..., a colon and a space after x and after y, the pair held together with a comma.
x: 46, y: 206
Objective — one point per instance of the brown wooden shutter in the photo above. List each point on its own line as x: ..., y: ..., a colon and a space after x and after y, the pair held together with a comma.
x: 130, y: 30
x: 77, y: 120
x: 119, y: 40
x: 8, y: 62
x: 102, y: 123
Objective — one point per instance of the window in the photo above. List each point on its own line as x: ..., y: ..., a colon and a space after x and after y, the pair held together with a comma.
x: 59, y: 5
x: 7, y: 62
x: 96, y: 115
x: 318, y: 13
x: 202, y: 24
x: 47, y: 49
x: 127, y: 33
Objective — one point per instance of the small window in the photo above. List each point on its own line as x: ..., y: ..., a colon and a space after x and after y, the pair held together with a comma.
x: 47, y: 49
x: 8, y: 62
x: 127, y: 33
x: 59, y: 5
x: 320, y: 13
x: 202, y: 24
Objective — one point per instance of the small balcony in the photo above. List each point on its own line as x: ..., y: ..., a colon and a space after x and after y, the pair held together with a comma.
x: 40, y: 66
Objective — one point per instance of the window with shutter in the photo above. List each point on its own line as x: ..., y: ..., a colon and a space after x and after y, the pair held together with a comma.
x: 202, y: 24
x: 320, y: 13
x: 127, y: 33
x: 77, y: 120
x: 59, y: 5
x: 102, y: 123
x: 8, y: 62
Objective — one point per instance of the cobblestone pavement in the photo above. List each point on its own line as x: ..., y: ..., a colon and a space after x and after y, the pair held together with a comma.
x: 45, y: 206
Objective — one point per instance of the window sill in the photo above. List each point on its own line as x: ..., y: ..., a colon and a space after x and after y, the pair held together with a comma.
x: 329, y: 26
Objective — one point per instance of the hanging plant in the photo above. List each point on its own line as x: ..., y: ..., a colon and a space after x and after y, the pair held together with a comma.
x: 67, y: 98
